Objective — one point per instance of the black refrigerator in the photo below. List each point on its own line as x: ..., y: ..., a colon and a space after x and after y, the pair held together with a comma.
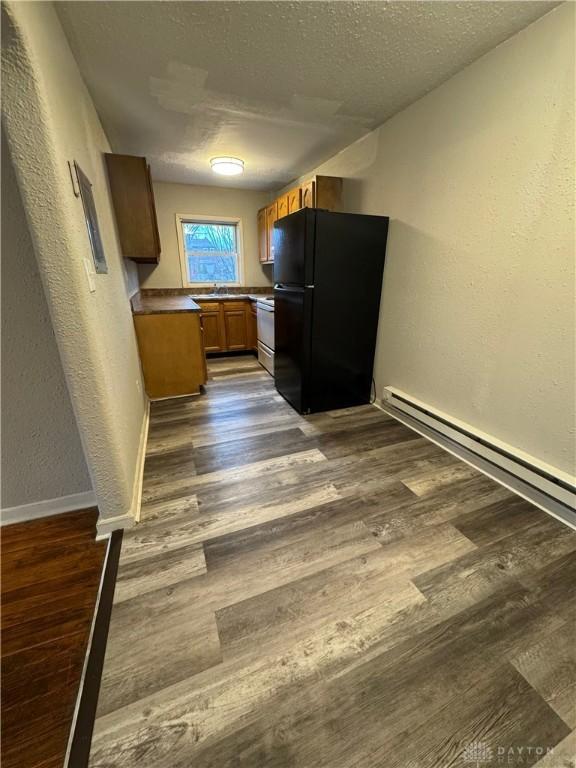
x: 328, y: 279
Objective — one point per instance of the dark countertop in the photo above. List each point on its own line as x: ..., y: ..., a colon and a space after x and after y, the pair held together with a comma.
x: 229, y: 296
x: 155, y: 305
x: 232, y: 292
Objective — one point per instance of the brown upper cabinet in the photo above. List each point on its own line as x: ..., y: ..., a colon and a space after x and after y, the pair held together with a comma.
x: 133, y: 201
x: 282, y: 206
x: 319, y: 192
x: 271, y: 218
x: 294, y: 200
x: 262, y: 236
x: 308, y: 194
x: 323, y: 192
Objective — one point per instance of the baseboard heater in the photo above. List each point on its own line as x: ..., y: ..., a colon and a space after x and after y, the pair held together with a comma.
x: 544, y: 486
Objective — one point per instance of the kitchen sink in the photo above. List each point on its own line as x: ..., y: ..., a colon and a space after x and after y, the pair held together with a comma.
x: 201, y: 296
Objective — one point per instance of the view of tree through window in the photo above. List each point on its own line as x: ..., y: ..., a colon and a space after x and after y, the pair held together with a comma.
x: 211, y: 252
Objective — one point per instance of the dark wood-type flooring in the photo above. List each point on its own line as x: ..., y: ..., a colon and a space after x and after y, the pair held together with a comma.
x: 51, y: 571
x: 331, y: 591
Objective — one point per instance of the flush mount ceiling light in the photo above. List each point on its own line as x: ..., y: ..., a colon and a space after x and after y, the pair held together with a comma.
x: 227, y: 166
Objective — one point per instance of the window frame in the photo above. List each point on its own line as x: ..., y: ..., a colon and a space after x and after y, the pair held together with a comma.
x: 184, y: 218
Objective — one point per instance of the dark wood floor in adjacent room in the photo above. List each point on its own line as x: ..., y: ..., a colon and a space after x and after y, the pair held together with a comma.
x: 51, y: 571
x: 331, y: 591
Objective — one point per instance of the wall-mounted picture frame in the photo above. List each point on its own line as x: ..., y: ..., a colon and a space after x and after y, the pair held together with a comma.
x: 91, y: 218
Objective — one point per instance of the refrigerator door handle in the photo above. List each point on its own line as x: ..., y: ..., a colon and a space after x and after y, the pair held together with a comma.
x: 292, y: 289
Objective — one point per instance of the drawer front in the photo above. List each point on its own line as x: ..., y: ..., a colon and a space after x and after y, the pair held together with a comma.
x: 266, y: 358
x: 265, y: 322
x: 208, y: 306
x: 234, y: 305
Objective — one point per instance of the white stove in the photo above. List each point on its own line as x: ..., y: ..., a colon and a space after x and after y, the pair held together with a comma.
x: 265, y: 319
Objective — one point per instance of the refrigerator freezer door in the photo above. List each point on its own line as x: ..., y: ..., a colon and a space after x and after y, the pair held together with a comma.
x: 292, y: 344
x: 294, y: 248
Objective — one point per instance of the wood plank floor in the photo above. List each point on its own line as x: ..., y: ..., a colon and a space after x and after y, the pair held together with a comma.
x: 51, y: 571
x: 331, y: 591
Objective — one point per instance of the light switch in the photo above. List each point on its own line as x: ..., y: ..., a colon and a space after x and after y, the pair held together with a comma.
x: 90, y: 277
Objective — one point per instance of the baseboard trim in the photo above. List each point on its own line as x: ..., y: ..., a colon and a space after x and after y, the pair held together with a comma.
x: 78, y: 751
x: 106, y: 526
x: 176, y: 397
x: 487, y: 464
x: 139, y: 479
x: 48, y: 507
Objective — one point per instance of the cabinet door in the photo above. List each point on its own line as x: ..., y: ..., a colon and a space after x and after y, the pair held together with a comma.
x: 282, y: 206
x: 295, y: 200
x: 271, y: 217
x: 153, y: 210
x: 308, y: 194
x: 236, y: 328
x: 328, y: 193
x: 134, y: 208
x: 170, y: 346
x: 252, y: 325
x: 213, y: 327
x: 262, y: 235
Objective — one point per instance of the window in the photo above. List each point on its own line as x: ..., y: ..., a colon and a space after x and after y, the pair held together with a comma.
x: 209, y: 250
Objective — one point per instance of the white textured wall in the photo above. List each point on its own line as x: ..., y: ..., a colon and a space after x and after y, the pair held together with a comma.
x: 478, y: 303
x: 42, y: 456
x: 208, y: 201
x: 50, y: 119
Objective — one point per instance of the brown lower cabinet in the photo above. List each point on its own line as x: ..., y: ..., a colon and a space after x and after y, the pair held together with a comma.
x: 252, y: 326
x: 229, y: 326
x: 235, y: 326
x: 213, y: 327
x: 171, y: 352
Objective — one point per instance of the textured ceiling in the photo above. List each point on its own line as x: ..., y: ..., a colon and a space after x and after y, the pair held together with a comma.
x: 283, y: 85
